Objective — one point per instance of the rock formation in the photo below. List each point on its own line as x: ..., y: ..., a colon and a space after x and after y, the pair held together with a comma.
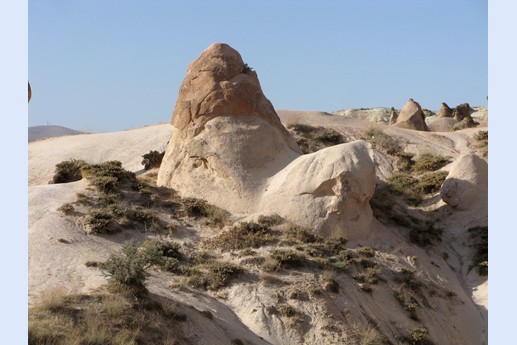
x: 411, y: 116
x: 441, y: 124
x: 393, y: 116
x: 466, y: 185
x: 444, y: 111
x: 230, y: 148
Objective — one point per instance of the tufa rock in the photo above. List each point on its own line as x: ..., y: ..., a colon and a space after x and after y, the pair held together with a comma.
x: 411, y: 116
x: 229, y: 147
x: 444, y: 111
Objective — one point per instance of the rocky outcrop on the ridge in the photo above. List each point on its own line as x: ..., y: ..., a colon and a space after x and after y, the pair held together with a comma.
x: 229, y: 141
x: 411, y: 116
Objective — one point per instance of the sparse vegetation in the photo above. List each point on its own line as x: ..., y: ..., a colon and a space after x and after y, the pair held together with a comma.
x: 417, y: 336
x: 311, y: 139
x: 381, y: 141
x: 130, y: 268
x: 153, y: 159
x: 429, y: 162
x: 245, y: 235
x: 66, y: 209
x: 413, y: 189
x: 68, y: 171
x: 99, y: 222
x: 213, y: 275
x: 407, y: 302
x: 481, y: 142
x: 117, y: 317
x: 199, y: 208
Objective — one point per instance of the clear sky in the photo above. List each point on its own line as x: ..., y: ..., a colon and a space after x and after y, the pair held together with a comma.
x: 105, y: 65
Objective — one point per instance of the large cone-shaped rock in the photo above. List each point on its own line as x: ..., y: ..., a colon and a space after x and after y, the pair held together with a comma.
x: 466, y: 186
x: 411, y: 116
x: 230, y: 148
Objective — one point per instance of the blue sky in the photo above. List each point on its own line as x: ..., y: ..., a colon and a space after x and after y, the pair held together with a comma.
x: 105, y: 65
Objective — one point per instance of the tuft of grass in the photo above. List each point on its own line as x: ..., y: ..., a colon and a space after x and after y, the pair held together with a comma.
x: 99, y: 222
x: 417, y: 336
x: 213, y: 275
x: 431, y: 182
x: 66, y: 209
x: 311, y: 139
x: 407, y: 302
x: 130, y: 268
x: 413, y: 189
x: 429, y: 162
x: 270, y: 220
x: 288, y: 258
x: 165, y: 255
x: 404, y: 161
x: 120, y: 317
x: 303, y: 234
x: 245, y: 235
x: 365, y: 251
x: 199, y: 208
x: 106, y: 177
x: 153, y: 159
x: 68, y: 171
x: 370, y: 276
x: 409, y: 279
x: 381, y: 141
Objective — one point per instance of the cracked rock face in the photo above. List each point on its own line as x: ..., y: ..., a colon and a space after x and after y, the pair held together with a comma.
x: 229, y: 147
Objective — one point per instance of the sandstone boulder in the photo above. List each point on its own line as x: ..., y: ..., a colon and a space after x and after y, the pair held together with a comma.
x: 466, y: 186
x: 328, y: 190
x: 229, y: 147
x: 411, y: 116
x: 441, y: 124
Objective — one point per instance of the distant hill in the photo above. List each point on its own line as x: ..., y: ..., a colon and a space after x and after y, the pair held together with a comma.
x: 42, y: 132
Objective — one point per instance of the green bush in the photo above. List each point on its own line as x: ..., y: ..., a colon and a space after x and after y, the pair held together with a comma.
x: 429, y: 162
x: 245, y: 235
x: 68, y: 171
x: 431, y: 182
x: 270, y: 220
x: 67, y: 208
x: 128, y: 268
x: 288, y: 258
x: 99, y: 222
x: 418, y: 336
x: 303, y: 234
x: 199, y: 208
x: 213, y: 275
x: 165, y: 255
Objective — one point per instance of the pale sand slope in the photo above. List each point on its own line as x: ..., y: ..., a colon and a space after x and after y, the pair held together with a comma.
x: 239, y: 310
x: 126, y: 146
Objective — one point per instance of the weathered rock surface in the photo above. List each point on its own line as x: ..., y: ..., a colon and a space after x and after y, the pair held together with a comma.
x: 230, y: 148
x: 466, y: 185
x: 411, y: 116
x: 441, y: 124
x: 444, y: 111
